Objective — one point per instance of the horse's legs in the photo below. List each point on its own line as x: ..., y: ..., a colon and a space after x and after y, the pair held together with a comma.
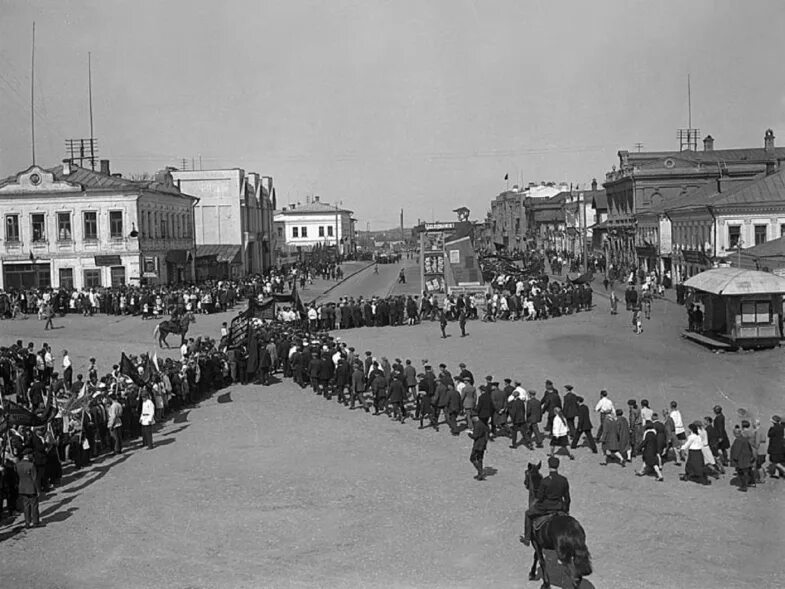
x: 546, y: 581
x: 533, y: 571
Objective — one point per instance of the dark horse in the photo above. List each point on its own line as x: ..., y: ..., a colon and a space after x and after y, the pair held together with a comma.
x: 561, y: 533
x: 178, y: 326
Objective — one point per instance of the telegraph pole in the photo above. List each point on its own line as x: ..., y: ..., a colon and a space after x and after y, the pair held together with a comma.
x: 32, y: 96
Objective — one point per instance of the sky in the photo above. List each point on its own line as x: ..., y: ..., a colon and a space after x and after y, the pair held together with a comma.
x: 382, y: 105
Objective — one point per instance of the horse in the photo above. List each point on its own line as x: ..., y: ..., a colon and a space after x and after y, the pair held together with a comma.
x: 178, y: 326
x: 561, y: 533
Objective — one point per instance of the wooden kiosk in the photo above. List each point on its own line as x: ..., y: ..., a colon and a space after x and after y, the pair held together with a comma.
x: 742, y: 308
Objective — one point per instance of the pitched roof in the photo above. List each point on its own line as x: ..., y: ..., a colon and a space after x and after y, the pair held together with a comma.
x: 747, y: 155
x: 760, y: 189
x: 313, y: 207
x: 599, y: 199
x: 769, y: 249
x: 92, y: 180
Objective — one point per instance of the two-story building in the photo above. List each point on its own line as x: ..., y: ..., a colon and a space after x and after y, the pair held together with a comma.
x: 234, y: 221
x: 645, y: 180
x: 719, y: 221
x: 580, y: 217
x: 508, y: 219
x: 76, y: 228
x: 300, y: 228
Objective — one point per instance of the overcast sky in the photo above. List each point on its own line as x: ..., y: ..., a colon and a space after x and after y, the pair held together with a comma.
x: 417, y: 104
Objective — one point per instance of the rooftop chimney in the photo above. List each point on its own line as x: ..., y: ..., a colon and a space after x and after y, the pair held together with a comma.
x: 768, y: 141
x: 105, y: 167
x: 771, y: 167
x: 66, y: 167
x: 708, y: 143
x: 315, y: 198
x: 594, y: 184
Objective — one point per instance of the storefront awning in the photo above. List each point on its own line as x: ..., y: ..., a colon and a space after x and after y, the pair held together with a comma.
x: 223, y: 253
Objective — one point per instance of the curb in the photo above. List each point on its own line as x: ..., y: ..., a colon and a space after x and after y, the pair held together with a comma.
x: 341, y: 281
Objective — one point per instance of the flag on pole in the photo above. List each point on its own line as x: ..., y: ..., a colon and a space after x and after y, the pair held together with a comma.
x: 506, y: 176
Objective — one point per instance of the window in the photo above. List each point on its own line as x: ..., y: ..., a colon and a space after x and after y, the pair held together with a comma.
x: 163, y: 225
x: 760, y: 234
x: 92, y: 278
x: 116, y: 224
x: 734, y: 236
x: 90, y: 225
x: 118, y: 276
x: 150, y: 230
x: 321, y: 230
x: 12, y: 228
x: 329, y: 231
x: 66, y: 276
x: 518, y: 225
x: 756, y: 312
x: 63, y: 226
x: 782, y: 230
x: 39, y: 227
x: 304, y: 231
x: 295, y: 231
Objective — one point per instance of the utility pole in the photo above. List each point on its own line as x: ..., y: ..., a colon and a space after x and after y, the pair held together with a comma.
x: 185, y: 164
x: 90, y: 104
x: 585, y: 236
x: 639, y: 146
x: 402, y: 238
x: 32, y: 96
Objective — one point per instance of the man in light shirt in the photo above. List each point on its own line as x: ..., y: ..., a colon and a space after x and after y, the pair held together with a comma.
x: 604, y: 407
x: 678, y: 423
x: 114, y: 423
x: 68, y: 371
x: 147, y: 419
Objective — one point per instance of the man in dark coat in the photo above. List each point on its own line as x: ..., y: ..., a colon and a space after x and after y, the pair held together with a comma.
x: 326, y: 371
x: 28, y: 488
x: 265, y: 364
x: 742, y: 459
x: 533, y: 418
x: 584, y: 425
x: 484, y: 402
x: 396, y: 397
x: 453, y: 408
x: 553, y: 495
x: 550, y: 401
x: 480, y: 435
x: 439, y: 402
x: 570, y: 409
x: 358, y: 387
x: 723, y: 443
x: 517, y: 412
x: 425, y: 389
x: 342, y: 380
x: 466, y: 374
x: 314, y: 369
x: 499, y: 421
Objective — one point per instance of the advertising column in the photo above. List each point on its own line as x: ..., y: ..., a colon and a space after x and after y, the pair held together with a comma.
x: 432, y: 265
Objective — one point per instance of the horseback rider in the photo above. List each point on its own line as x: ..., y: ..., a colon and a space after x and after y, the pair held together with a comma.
x: 553, y: 496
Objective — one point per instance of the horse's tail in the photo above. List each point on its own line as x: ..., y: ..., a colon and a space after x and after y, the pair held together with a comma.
x: 571, y: 546
x: 156, y: 330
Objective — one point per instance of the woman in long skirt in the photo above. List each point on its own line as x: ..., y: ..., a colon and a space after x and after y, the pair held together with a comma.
x: 694, y: 467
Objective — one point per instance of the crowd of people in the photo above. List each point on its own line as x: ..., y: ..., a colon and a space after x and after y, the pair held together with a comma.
x: 51, y: 418
x: 99, y: 413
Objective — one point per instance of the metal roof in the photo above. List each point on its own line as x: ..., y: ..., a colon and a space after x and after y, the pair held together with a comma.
x: 313, y: 207
x: 736, y: 281
x: 760, y: 189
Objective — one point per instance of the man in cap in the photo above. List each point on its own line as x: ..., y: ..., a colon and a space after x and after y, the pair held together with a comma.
x: 114, y: 423
x: 533, y: 418
x: 584, y: 426
x: 517, y: 411
x: 147, y: 419
x: 29, y: 488
x: 553, y: 495
x: 466, y: 374
x: 480, y: 435
x: 570, y: 409
x: 550, y: 401
x: 484, y: 402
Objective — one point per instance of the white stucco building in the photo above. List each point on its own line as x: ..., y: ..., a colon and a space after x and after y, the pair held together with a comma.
x: 76, y: 228
x: 234, y: 227
x: 301, y: 227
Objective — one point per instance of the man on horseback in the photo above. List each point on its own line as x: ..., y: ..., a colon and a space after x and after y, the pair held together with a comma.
x: 553, y: 496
